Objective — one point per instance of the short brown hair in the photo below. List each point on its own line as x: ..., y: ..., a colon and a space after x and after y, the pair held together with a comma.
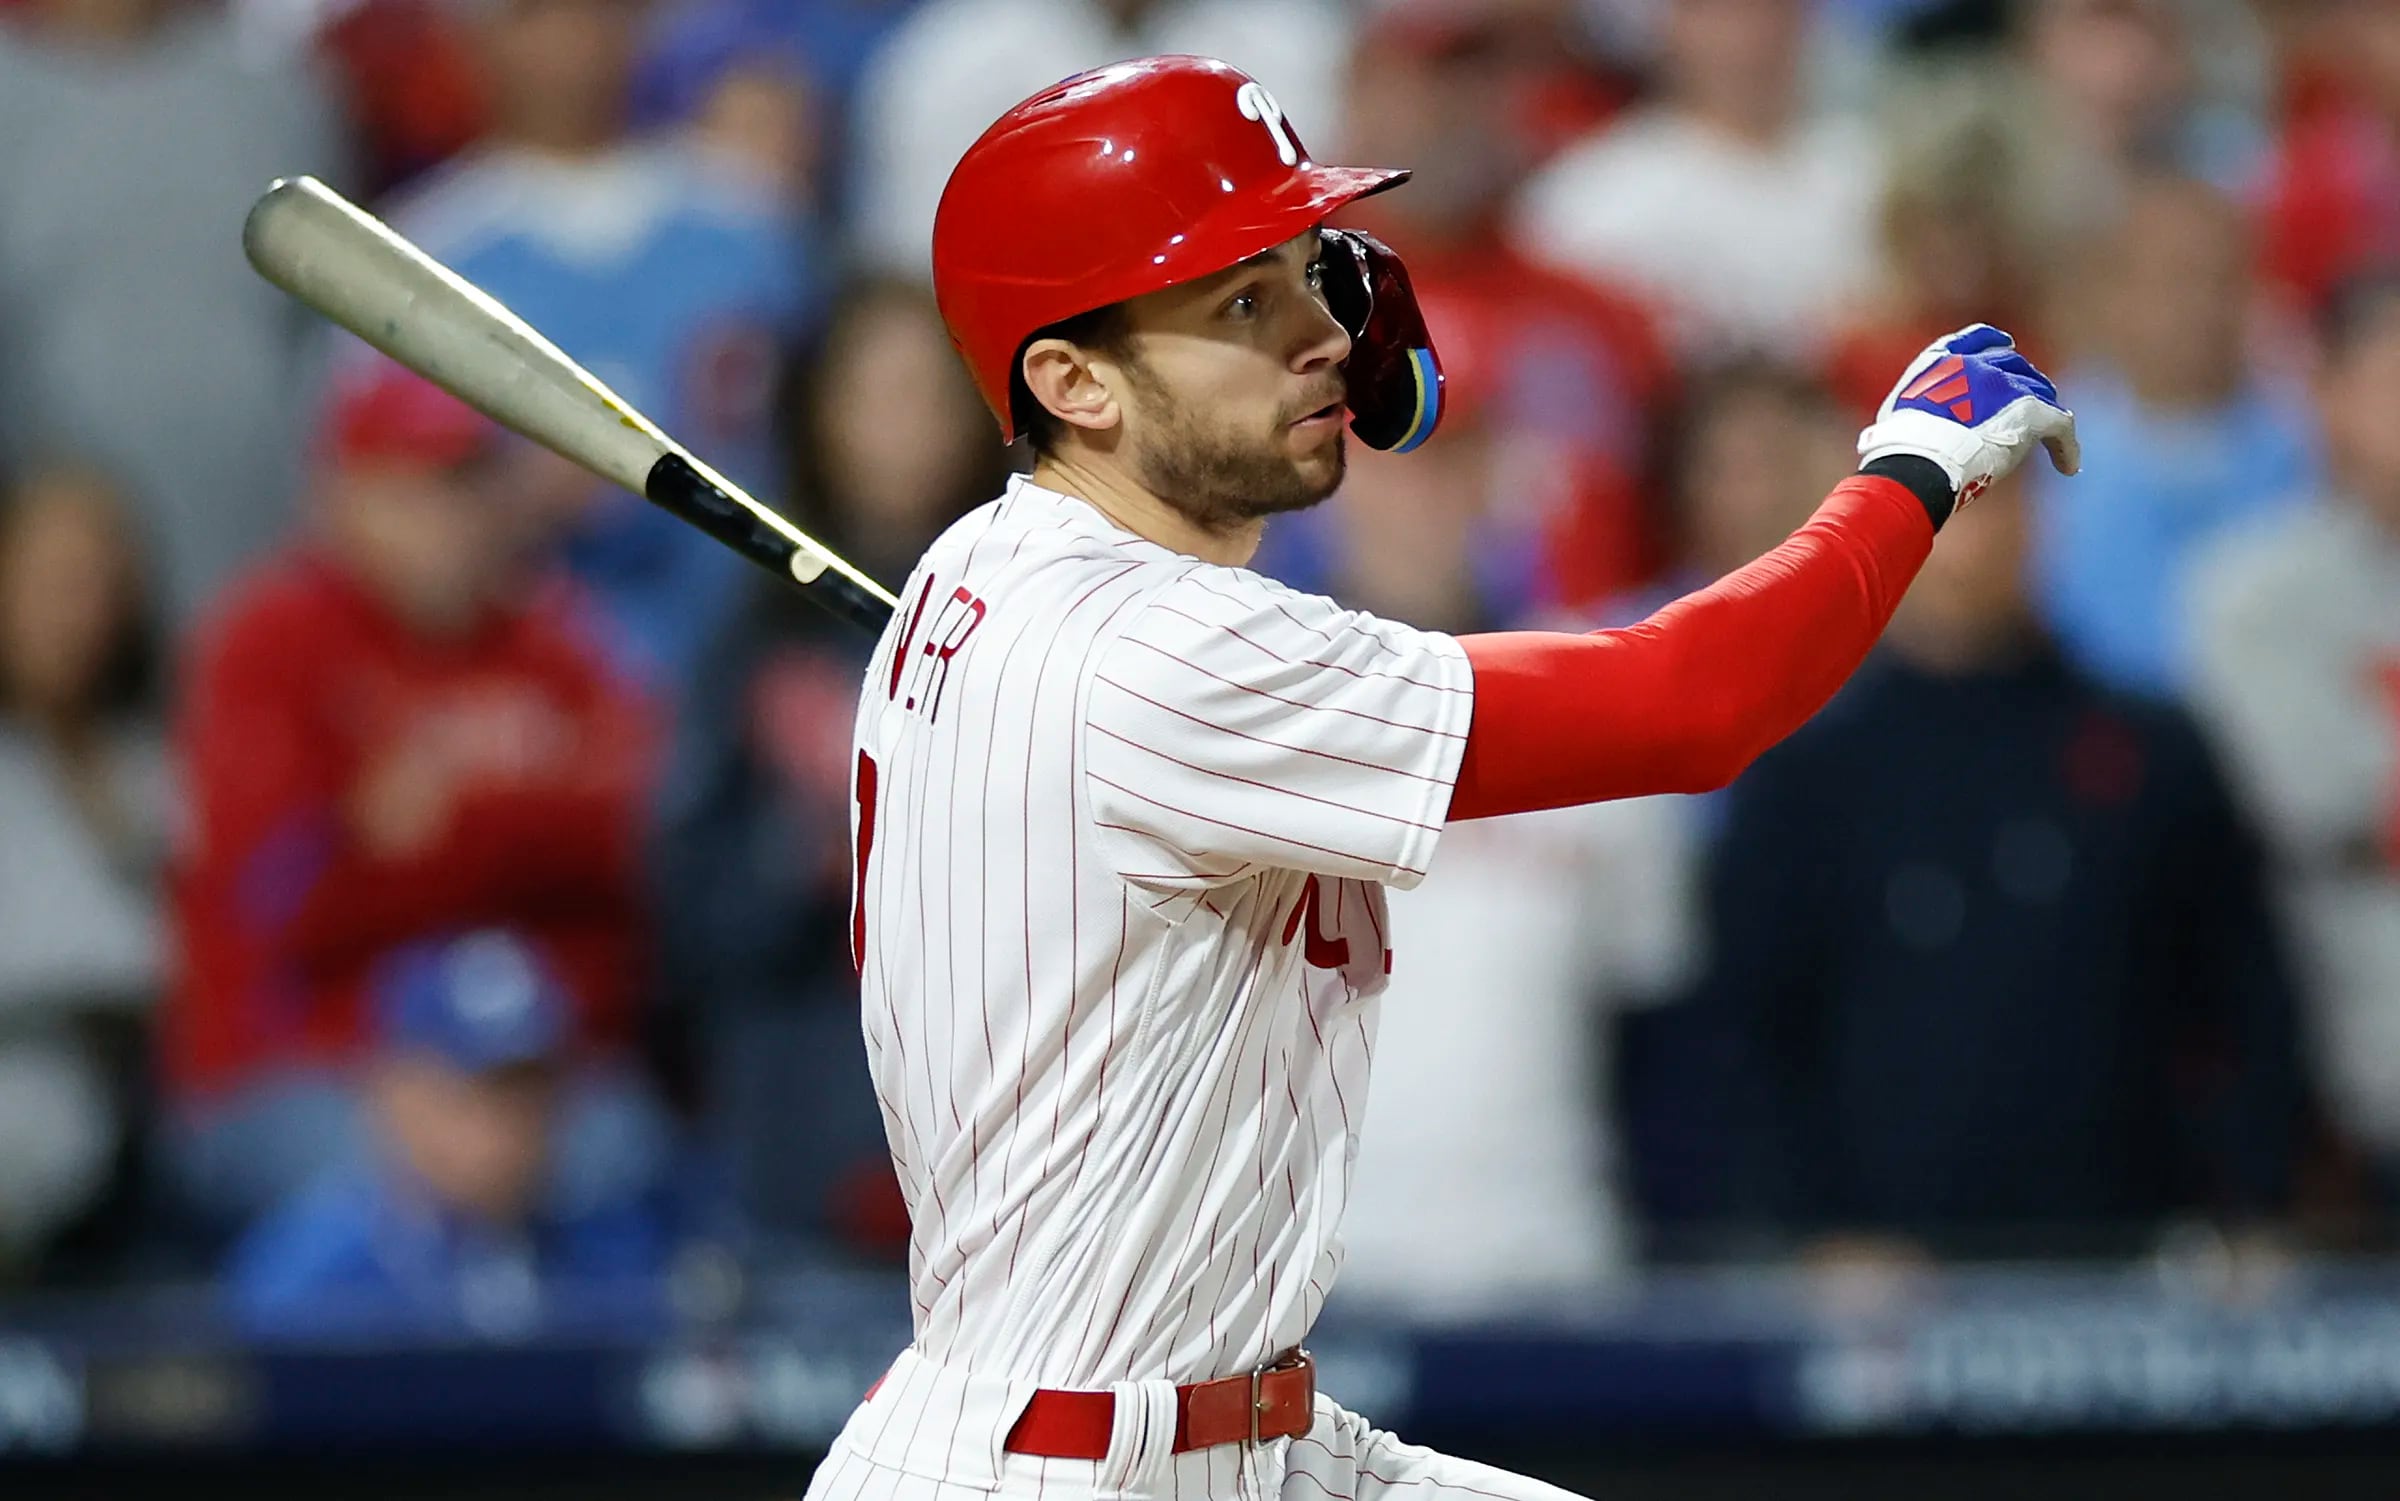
x: 1103, y: 328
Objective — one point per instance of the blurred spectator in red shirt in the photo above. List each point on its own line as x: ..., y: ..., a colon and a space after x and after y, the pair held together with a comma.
x: 2334, y: 204
x: 392, y: 730
x: 1569, y: 376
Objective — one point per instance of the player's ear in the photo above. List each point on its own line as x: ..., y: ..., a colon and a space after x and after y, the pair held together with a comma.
x: 1072, y: 383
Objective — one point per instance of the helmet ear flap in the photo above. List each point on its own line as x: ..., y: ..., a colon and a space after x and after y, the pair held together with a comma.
x: 1394, y: 376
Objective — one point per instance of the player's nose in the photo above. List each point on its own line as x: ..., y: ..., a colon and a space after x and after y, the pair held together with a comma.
x: 1322, y: 342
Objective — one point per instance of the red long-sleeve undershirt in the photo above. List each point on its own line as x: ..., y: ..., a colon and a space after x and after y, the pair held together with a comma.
x: 1688, y: 698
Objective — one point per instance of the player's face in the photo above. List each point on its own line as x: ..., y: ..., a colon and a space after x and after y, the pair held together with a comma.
x: 1232, y: 389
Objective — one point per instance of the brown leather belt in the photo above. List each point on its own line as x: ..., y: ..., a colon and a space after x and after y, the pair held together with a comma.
x: 1277, y: 1402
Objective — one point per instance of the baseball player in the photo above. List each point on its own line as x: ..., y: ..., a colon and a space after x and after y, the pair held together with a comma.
x: 1125, y: 811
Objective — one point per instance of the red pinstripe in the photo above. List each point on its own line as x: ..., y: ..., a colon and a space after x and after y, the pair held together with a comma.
x: 1240, y: 1025
x: 1349, y: 627
x: 1227, y: 823
x: 1108, y: 1054
x: 1356, y: 1464
x: 1273, y: 655
x: 1296, y: 750
x: 1306, y: 797
x: 1126, y: 828
x: 925, y: 742
x: 1293, y: 702
x: 1075, y: 919
x: 1033, y: 716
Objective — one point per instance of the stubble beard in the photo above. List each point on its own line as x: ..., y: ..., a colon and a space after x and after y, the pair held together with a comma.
x: 1220, y: 480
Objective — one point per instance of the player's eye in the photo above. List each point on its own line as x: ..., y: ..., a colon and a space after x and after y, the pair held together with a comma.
x: 1244, y: 306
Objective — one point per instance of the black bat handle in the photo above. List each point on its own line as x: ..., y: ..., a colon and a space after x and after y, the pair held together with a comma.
x: 676, y: 486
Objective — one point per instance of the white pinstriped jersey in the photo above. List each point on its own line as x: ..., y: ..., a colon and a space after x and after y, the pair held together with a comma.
x: 1122, y: 827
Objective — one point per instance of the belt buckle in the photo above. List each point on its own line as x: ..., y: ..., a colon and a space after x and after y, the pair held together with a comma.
x: 1291, y: 1360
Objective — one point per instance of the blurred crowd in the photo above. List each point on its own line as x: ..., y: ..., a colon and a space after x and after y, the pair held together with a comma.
x: 424, y: 869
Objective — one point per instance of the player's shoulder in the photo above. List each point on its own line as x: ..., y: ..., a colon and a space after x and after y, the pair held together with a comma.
x: 1208, y: 603
x: 1216, y: 630
x: 1032, y: 541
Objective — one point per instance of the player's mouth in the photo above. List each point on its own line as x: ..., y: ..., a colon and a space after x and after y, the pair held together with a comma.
x: 1323, y: 419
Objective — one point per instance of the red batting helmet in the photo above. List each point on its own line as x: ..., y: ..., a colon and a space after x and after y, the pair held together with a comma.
x: 1112, y: 183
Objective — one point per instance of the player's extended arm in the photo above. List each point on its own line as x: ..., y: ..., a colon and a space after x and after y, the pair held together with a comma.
x: 1685, y: 700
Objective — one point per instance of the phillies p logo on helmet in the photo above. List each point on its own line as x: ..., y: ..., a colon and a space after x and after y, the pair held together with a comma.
x: 1255, y: 103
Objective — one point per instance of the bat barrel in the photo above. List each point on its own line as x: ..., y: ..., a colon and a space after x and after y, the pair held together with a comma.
x: 345, y: 263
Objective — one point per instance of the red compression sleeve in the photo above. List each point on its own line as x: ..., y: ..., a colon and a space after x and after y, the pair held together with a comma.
x: 1685, y: 700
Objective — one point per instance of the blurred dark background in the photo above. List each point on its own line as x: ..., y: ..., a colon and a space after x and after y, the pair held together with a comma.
x: 428, y: 1056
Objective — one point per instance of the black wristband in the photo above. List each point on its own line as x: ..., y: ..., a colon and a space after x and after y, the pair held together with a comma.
x: 1921, y: 477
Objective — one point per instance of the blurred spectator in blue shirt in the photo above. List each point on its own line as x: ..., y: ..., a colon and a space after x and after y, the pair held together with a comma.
x: 2182, y: 436
x: 1995, y: 942
x: 443, y: 1230
x: 672, y: 276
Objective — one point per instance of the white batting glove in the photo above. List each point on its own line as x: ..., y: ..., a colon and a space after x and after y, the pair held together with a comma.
x: 1976, y: 407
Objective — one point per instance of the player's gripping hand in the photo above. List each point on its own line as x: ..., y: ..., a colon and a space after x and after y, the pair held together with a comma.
x: 1976, y: 407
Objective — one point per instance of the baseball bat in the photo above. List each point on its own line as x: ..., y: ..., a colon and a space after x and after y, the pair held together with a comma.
x: 353, y: 268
